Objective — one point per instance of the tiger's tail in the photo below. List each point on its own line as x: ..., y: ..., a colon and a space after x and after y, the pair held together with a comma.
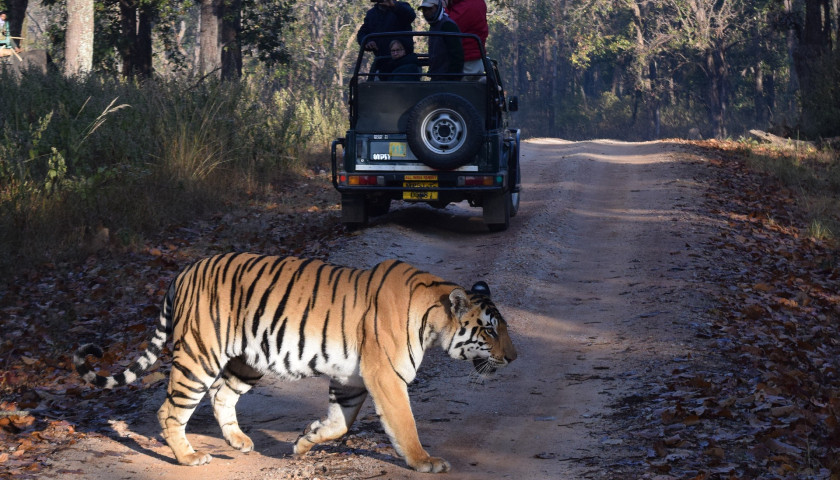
x: 138, y: 366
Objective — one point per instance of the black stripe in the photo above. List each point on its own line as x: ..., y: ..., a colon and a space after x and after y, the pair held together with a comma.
x: 199, y: 390
x: 186, y: 372
x: 264, y: 299
x: 235, y: 281
x: 280, y: 336
x: 253, y: 286
x: 264, y: 345
x: 376, y: 296
x: 229, y: 261
x: 185, y: 406
x: 324, y: 334
x: 395, y: 370
x: 241, y: 330
x: 305, y: 316
x: 208, y: 369
x: 343, y: 323
x: 136, y: 369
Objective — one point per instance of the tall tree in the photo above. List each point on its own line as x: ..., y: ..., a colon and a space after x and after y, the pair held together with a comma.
x: 814, y: 67
x: 78, y: 47
x: 209, y: 55
x: 135, y: 42
x: 231, y: 42
x: 707, y: 29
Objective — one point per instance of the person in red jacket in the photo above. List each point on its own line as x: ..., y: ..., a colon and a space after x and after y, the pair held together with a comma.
x: 471, y: 17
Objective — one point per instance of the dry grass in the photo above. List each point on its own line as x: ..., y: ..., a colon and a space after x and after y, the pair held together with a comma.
x: 83, y: 156
x: 812, y: 173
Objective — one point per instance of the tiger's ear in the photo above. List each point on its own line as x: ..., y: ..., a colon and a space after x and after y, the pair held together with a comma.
x: 460, y: 303
x: 481, y: 288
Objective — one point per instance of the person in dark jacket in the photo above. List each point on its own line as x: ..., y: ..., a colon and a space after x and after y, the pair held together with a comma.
x: 386, y: 16
x: 402, y: 62
x: 446, y: 54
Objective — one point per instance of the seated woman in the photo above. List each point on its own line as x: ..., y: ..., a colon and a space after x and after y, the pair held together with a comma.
x: 401, y: 61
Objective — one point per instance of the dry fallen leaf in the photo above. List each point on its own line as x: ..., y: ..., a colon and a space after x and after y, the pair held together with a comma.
x: 152, y: 378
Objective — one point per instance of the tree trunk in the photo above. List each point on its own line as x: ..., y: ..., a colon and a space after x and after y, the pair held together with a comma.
x: 809, y: 58
x: 143, y: 48
x: 209, y: 58
x: 78, y: 49
x: 759, y: 102
x: 641, y: 85
x: 770, y: 88
x: 722, y: 73
x: 347, y: 51
x: 231, y: 45
x: 654, y: 101
x: 128, y: 29
x: 135, y: 46
x: 716, y: 70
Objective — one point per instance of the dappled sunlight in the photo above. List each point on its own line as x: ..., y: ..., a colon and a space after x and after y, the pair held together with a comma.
x: 630, y: 215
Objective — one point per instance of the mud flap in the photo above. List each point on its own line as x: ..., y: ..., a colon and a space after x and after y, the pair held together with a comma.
x: 353, y: 210
x: 497, y: 211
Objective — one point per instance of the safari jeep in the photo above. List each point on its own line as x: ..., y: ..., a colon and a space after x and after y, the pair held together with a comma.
x: 418, y: 140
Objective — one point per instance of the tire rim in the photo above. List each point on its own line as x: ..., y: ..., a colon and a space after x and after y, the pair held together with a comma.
x: 444, y: 131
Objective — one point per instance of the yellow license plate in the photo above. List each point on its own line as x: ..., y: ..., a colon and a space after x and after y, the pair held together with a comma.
x: 397, y: 149
x: 420, y: 196
x: 418, y: 183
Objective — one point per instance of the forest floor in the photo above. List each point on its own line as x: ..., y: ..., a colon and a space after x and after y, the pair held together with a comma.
x: 672, y: 321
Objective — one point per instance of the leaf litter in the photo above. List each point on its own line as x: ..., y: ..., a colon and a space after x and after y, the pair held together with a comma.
x: 111, y: 298
x: 765, y: 402
x: 767, y: 406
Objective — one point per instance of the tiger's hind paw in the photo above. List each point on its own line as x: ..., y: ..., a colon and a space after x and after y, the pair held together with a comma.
x: 303, y: 445
x: 240, y: 441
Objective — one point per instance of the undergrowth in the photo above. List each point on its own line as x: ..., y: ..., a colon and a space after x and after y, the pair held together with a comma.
x: 812, y: 173
x: 83, y: 156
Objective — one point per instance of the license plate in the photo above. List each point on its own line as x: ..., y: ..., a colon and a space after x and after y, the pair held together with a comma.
x: 420, y: 196
x: 397, y: 149
x: 420, y: 181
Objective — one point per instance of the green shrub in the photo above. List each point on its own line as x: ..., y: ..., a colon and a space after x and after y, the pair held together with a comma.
x: 83, y: 153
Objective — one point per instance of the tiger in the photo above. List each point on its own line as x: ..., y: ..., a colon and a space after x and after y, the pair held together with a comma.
x: 234, y: 317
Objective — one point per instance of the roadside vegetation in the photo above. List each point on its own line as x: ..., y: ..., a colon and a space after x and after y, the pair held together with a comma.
x: 100, y: 160
x: 809, y: 171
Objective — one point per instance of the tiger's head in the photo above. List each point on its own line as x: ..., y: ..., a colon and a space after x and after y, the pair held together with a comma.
x: 482, y: 334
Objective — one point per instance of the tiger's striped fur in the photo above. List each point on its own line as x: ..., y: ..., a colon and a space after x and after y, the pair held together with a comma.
x: 235, y: 317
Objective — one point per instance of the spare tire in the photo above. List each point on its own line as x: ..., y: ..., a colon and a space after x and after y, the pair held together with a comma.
x: 444, y: 131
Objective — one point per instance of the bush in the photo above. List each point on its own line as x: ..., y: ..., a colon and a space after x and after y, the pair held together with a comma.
x: 84, y: 153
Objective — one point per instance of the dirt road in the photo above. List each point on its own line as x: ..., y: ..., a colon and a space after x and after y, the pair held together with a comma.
x: 596, y: 278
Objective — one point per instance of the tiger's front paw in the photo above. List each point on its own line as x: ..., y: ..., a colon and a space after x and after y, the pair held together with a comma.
x: 430, y: 465
x: 195, y: 458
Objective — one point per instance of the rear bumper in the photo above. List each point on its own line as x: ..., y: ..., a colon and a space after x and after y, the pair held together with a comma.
x: 450, y: 184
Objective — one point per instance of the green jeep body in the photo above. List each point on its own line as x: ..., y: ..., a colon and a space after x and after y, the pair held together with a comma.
x: 427, y: 141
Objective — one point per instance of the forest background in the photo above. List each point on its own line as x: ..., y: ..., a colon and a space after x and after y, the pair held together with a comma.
x: 158, y: 110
